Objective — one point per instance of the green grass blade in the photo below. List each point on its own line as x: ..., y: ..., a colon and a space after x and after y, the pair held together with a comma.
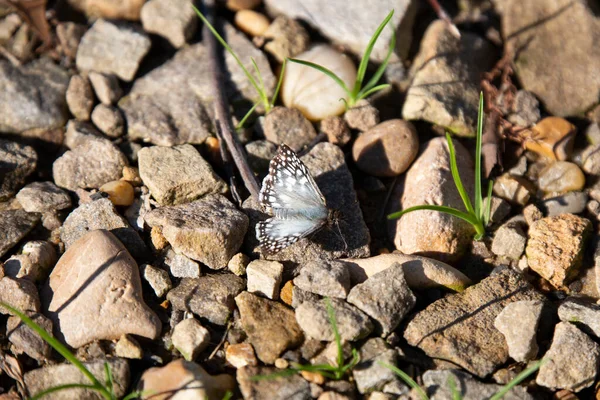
x: 240, y: 125
x: 279, y: 374
x: 448, y: 210
x: 478, y: 194
x: 517, y: 379
x: 452, y: 384
x: 59, y: 347
x: 364, y: 62
x: 109, y: 379
x: 407, y: 379
x: 456, y: 176
x: 64, y: 387
x: 228, y: 395
x: 487, y: 213
x: 336, y: 333
x: 279, y: 81
x: 381, y: 70
x: 137, y: 394
x: 327, y: 72
x: 263, y: 91
x: 373, y: 90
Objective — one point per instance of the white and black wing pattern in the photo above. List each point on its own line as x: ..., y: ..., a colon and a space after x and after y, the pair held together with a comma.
x: 276, y: 234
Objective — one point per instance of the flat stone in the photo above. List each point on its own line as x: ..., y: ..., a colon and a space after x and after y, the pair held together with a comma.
x: 158, y: 279
x: 460, y: 327
x: 325, y: 278
x: 210, y: 297
x: 241, y: 354
x: 583, y: 314
x: 264, y: 278
x: 209, y: 230
x: 509, y: 240
x: 43, y: 197
x: 15, y: 225
x: 25, y: 340
x: 51, y: 376
x: 568, y: 203
x: 429, y: 181
x: 352, y: 323
x: 190, y: 338
x: 350, y: 238
x: 518, y: 322
x: 174, y: 20
x: 24, y: 107
x: 181, y: 266
x: 289, y: 126
x: 113, y: 48
x: 18, y: 162
x: 172, y: 104
x: 291, y: 387
x: 20, y: 294
x: 556, y: 245
x: 385, y: 297
x: 572, y: 360
x: 177, y: 175
x: 270, y: 326
x: 106, y: 87
x: 95, y: 293
x: 80, y: 97
x: 370, y: 375
x: 128, y: 347
x: 445, y: 79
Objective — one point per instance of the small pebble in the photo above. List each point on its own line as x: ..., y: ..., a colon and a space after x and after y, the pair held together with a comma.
x: 109, y: 120
x: 132, y: 175
x: 241, y: 354
x: 264, y: 278
x: 238, y: 264
x: 281, y: 363
x: 286, y: 37
x: 80, y: 97
x: 514, y: 189
x: 337, y: 130
x: 571, y: 202
x: 106, y: 87
x: 362, y: 116
x: 237, y: 5
x: 532, y: 213
x: 120, y: 192
x: 289, y: 126
x: 251, y: 22
x: 313, y: 377
x: 552, y: 137
x: 561, y: 177
x: 525, y: 110
x: 158, y: 279
x: 128, y: 347
x: 286, y: 293
x: 190, y: 338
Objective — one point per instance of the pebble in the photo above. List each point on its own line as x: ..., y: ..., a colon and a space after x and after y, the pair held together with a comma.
x: 556, y: 245
x: 241, y: 354
x: 237, y: 5
x: 105, y: 301
x: 113, y: 48
x: 238, y: 264
x: 312, y: 92
x: 80, y: 132
x: 80, y: 97
x: 251, y: 22
x: 109, y: 120
x: 499, y: 209
x: 459, y: 327
x: 260, y: 153
x: 325, y: 278
x: 128, y: 9
x: 181, y: 266
x: 532, y: 213
x: 128, y: 347
x: 553, y: 138
x: 385, y: 297
x: 299, y: 296
x: 286, y: 38
x: 509, y: 240
x: 264, y: 278
x: 370, y: 375
x: 525, y: 110
x: 337, y: 130
x: 184, y: 378
x: 15, y: 225
x: 177, y: 175
x: 190, y: 338
x: 26, y: 340
x: 270, y: 326
x: 513, y: 189
x: 210, y: 230
x: 8, y: 25
x: 362, y: 116
x: 43, y: 197
x: 37, y: 258
x: 572, y: 360
x: 386, y: 149
x: 571, y: 203
x: 352, y: 323
x: 69, y: 35
x: 561, y: 177
x: 158, y: 279
x: 18, y: 162
x: 120, y: 193
x: 174, y: 20
x: 106, y: 87
x: 288, y: 125
x: 583, y: 314
x: 21, y: 294
x: 282, y: 388
x: 518, y: 322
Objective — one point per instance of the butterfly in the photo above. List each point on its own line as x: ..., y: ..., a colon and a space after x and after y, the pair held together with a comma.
x: 289, y: 193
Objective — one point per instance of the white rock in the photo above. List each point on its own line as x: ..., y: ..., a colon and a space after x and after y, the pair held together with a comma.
x: 264, y: 278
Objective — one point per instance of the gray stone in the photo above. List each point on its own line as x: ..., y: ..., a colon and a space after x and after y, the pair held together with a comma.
x: 17, y: 162
x: 171, y: 104
x: 509, y: 240
x: 33, y: 96
x: 109, y: 120
x: 583, y: 314
x: 270, y: 326
x: 209, y: 230
x: 525, y: 110
x: 289, y: 126
x: 15, y: 225
x: 385, y: 297
x: 181, y: 266
x: 518, y: 322
x: 445, y: 91
x: 209, y: 297
x: 177, y: 175
x: 80, y: 132
x: 369, y: 374
x: 106, y: 87
x: 299, y: 296
x: 572, y: 360
x: 285, y: 38
x: 264, y: 278
x: 80, y: 97
x: 26, y: 340
x: 190, y: 338
x: 325, y: 278
x: 352, y: 323
x: 174, y: 20
x: 291, y: 387
x: 158, y: 279
x: 113, y: 48
x: 43, y: 197
x: 460, y: 327
x: 572, y: 203
x: 20, y: 294
x: 260, y: 153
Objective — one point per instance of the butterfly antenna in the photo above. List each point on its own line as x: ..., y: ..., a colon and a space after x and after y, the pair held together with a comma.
x: 337, y: 224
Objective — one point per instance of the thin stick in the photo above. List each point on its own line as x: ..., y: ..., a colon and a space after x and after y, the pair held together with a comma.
x: 223, y: 123
x: 442, y: 14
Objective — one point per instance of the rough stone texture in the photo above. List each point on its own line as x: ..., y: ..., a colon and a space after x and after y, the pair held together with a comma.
x: 36, y: 258
x: 80, y: 97
x: 337, y: 130
x: 109, y: 120
x: 177, y: 175
x: 370, y: 376
x: 181, y: 266
x: 171, y: 104
x: 509, y: 240
x: 285, y: 38
x: 325, y: 278
x: 429, y: 181
x: 96, y: 293
x: 270, y: 326
x: 101, y: 214
x: 106, y: 87
x: 79, y: 132
x: 158, y: 279
x: 460, y: 327
x: 32, y: 96
x: 241, y: 354
x: 362, y: 116
x: 436, y: 384
x: 525, y: 110
x: 557, y: 59
x: 113, y: 9
x: 264, y: 278
x: 238, y: 264
x: 112, y: 48
x: 128, y: 347
x: 28, y: 341
x: 385, y: 297
x: 352, y: 23
x: 14, y: 225
x: 43, y: 197
x: 352, y: 323
x: 17, y: 162
x: 584, y: 315
x: 288, y: 126
x: 326, y: 164
x: 190, y: 338
x: 556, y: 245
x: 91, y: 164
x: 573, y: 360
x: 209, y: 230
x: 209, y: 297
x: 45, y: 378
x: 174, y: 20
x: 518, y: 323
x: 282, y: 388
x: 260, y: 153
x: 20, y: 294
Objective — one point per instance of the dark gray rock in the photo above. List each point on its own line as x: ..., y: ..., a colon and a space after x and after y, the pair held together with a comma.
x: 325, y: 278
x: 17, y: 162
x: 14, y: 225
x: 370, y: 375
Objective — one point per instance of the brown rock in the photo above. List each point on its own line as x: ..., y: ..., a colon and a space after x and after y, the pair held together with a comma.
x: 553, y: 138
x: 362, y: 116
x: 288, y: 126
x: 337, y: 130
x: 286, y: 38
x: 80, y: 97
x: 112, y: 9
x: 251, y: 22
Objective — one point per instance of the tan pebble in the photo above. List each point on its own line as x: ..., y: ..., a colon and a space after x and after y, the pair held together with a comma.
x: 552, y: 137
x: 286, y: 293
x: 337, y: 130
x: 157, y: 238
x: 313, y: 377
x: 532, y: 213
x: 281, y: 363
x: 132, y: 175
x: 286, y: 37
x: 119, y: 192
x: 237, y: 5
x: 240, y: 355
x: 561, y: 177
x: 514, y: 189
x: 251, y: 22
